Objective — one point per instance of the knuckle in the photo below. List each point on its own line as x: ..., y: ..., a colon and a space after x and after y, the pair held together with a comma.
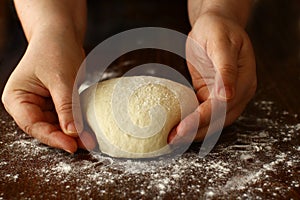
x: 58, y: 79
x: 64, y: 107
x: 235, y: 40
x: 60, y: 76
x: 63, y: 77
x: 228, y: 72
x: 228, y: 68
x: 28, y: 129
x: 5, y: 98
x: 7, y: 102
x: 46, y: 140
x: 33, y: 131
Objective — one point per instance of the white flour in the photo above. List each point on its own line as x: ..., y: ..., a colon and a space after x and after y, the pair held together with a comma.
x: 243, y: 168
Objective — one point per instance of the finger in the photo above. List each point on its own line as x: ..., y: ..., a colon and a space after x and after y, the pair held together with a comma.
x: 26, y: 97
x: 32, y: 120
x: 224, y: 55
x: 218, y: 125
x: 69, y: 119
x: 52, y: 136
x: 214, y: 127
x: 201, y: 117
x: 185, y: 140
x: 201, y: 68
x: 208, y: 112
x: 172, y: 135
x: 204, y: 111
x: 201, y: 133
x: 247, y: 72
x: 204, y: 89
x: 186, y: 130
x: 86, y: 141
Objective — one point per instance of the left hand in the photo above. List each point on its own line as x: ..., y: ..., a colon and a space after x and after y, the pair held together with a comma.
x: 223, y: 53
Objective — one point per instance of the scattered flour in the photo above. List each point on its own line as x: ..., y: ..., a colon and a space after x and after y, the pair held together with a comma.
x: 241, y: 167
x: 62, y: 167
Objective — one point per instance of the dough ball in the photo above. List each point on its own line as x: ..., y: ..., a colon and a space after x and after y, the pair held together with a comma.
x: 132, y: 116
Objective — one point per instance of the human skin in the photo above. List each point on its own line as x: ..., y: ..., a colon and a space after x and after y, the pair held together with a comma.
x: 38, y: 94
x: 225, y: 50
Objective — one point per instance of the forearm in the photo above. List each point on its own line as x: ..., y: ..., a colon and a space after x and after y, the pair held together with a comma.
x: 236, y: 10
x: 53, y: 19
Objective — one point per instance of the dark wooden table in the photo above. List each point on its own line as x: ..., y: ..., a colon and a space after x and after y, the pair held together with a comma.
x: 258, y: 157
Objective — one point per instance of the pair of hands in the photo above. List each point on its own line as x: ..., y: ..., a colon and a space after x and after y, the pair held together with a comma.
x: 38, y: 94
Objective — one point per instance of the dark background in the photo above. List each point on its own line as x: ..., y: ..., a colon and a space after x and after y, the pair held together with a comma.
x: 28, y: 169
x: 273, y: 28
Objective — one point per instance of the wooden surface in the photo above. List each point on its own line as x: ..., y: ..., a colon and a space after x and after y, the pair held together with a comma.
x: 258, y: 157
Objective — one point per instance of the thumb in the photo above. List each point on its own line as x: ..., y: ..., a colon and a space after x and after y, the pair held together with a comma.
x: 224, y: 58
x: 67, y: 106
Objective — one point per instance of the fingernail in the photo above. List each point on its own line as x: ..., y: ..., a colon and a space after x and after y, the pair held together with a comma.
x: 86, y: 141
x: 71, y: 128
x: 181, y: 129
x: 70, y: 152
x: 172, y: 136
x: 177, y: 138
x: 225, y: 93
x: 174, y: 140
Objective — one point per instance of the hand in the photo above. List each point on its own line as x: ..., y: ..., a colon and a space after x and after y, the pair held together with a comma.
x: 38, y: 94
x: 223, y: 52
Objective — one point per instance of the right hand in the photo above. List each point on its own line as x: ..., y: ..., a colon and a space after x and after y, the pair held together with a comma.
x: 38, y: 94
x: 221, y: 53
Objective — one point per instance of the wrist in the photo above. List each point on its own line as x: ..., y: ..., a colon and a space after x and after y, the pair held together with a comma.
x: 66, y: 18
x: 241, y: 20
x: 236, y: 11
x: 56, y: 47
x: 57, y: 33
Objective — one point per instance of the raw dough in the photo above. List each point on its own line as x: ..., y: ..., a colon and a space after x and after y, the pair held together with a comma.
x: 132, y: 116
